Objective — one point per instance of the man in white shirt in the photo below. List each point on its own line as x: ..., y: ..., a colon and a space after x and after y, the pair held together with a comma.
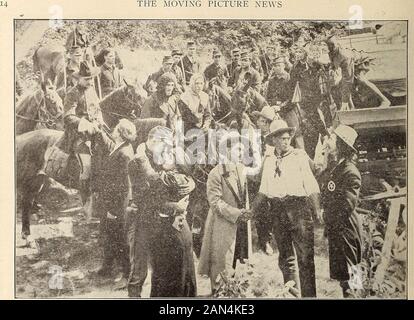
x: 289, y: 187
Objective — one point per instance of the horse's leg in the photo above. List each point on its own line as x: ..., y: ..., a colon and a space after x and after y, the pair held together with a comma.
x: 30, y: 193
x: 85, y: 183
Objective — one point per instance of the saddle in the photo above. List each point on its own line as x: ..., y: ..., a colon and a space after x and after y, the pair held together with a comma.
x: 62, y: 167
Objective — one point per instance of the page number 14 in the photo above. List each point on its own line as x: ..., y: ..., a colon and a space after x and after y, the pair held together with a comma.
x: 3, y: 4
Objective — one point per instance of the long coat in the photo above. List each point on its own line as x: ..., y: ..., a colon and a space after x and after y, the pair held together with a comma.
x: 112, y: 175
x: 221, y: 224
x: 340, y: 196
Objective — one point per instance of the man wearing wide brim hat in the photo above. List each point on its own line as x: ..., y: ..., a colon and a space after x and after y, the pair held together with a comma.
x: 73, y: 65
x: 233, y: 65
x: 289, y: 186
x: 340, y: 197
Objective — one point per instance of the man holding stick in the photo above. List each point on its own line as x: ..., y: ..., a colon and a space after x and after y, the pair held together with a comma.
x: 288, y: 184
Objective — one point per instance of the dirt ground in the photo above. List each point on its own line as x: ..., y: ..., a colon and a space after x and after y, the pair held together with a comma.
x: 68, y: 253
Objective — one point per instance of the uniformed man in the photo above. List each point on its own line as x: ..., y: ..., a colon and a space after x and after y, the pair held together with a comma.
x: 256, y: 62
x: 82, y: 107
x: 279, y: 94
x: 73, y: 65
x: 167, y: 63
x: 216, y: 70
x: 342, y: 59
x: 305, y: 78
x: 340, y: 197
x: 266, y: 60
x: 189, y: 63
x: 176, y: 54
x: 255, y: 80
x: 110, y: 76
x: 233, y: 65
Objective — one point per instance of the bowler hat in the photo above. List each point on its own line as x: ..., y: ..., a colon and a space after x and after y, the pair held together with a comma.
x: 86, y: 70
x: 347, y: 135
x: 279, y: 126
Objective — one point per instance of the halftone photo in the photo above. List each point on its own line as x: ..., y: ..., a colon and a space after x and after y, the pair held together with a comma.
x: 210, y: 158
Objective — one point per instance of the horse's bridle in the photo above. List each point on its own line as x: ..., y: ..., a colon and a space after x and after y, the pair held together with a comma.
x: 50, y: 121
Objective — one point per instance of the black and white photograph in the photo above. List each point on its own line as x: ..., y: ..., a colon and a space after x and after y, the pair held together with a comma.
x: 210, y: 159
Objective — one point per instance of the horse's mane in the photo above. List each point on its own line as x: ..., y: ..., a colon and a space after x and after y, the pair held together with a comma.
x: 112, y: 98
x: 26, y: 101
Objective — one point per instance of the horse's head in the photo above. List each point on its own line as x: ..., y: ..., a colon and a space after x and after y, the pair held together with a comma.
x: 134, y: 97
x: 52, y: 109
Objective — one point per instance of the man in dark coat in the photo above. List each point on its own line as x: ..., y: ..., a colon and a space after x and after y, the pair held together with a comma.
x: 279, y: 94
x: 216, y: 69
x: 266, y: 60
x: 148, y: 181
x: 176, y: 69
x: 245, y: 67
x: 233, y: 65
x: 342, y: 59
x: 305, y: 78
x: 82, y: 107
x: 112, y: 194
x: 340, y: 197
x: 189, y: 63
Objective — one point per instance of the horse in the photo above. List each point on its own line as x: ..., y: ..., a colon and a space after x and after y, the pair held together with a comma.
x: 41, y: 109
x: 124, y: 102
x: 51, y: 63
x: 39, y: 157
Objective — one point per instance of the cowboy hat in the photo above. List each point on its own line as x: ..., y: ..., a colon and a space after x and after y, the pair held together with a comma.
x: 279, y: 126
x: 267, y: 112
x: 347, y: 135
x: 86, y: 71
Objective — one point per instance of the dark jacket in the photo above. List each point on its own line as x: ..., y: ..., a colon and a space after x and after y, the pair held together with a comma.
x: 339, y: 198
x: 214, y: 70
x: 112, y: 173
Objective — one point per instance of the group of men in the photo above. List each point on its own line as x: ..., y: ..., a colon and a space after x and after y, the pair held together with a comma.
x: 143, y: 198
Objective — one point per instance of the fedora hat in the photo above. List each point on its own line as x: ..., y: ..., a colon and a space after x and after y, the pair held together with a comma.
x: 86, y: 71
x: 278, y: 127
x: 347, y: 135
x: 267, y: 112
